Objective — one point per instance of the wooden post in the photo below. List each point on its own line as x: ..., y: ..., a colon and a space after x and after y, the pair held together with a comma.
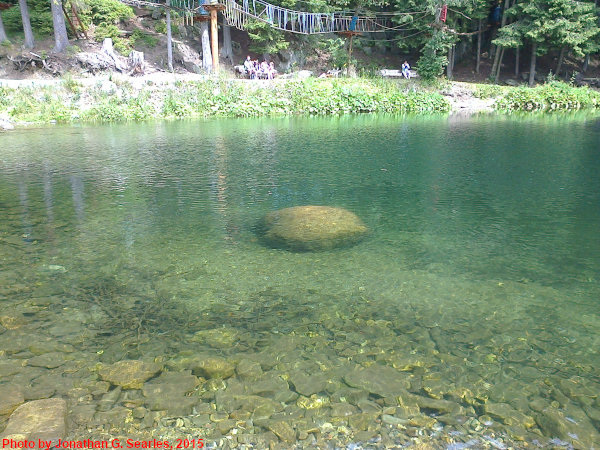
x: 350, y: 35
x: 213, y: 8
x: 214, y: 39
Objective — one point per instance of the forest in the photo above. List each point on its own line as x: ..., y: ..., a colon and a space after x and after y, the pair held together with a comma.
x: 436, y: 33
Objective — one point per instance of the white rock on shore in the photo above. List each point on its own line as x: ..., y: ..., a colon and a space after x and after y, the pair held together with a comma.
x: 5, y: 124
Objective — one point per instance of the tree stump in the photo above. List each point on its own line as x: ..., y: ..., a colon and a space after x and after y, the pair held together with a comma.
x: 137, y: 66
x: 105, y: 59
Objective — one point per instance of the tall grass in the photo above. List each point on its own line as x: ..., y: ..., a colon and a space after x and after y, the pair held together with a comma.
x: 68, y: 101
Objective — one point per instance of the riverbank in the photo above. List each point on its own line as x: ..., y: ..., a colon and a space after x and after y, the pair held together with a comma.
x: 112, y: 98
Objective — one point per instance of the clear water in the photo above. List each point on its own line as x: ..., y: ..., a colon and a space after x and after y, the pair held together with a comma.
x: 481, y: 271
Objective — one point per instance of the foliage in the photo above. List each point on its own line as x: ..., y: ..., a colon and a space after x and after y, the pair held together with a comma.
x: 433, y: 59
x: 140, y: 38
x: 485, y: 91
x: 551, y: 24
x: 105, y: 12
x: 221, y: 98
x: 161, y: 27
x: 335, y: 50
x: 264, y: 39
x: 551, y: 96
x: 105, y: 30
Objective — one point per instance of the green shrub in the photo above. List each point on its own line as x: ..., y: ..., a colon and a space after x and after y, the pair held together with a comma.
x: 107, y: 11
x: 551, y: 96
x: 486, y: 91
x: 141, y: 39
x: 105, y: 30
x: 160, y: 27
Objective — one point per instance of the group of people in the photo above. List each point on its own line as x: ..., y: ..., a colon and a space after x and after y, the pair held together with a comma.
x: 263, y: 70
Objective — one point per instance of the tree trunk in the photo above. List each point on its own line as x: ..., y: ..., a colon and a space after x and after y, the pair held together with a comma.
x: 517, y: 54
x: 478, y: 47
x: 206, y: 54
x: 502, y: 23
x: 227, y: 49
x: 169, y: 38
x: 450, y: 65
x: 586, y: 63
x: 532, y: 65
x: 500, y: 58
x: 61, y: 40
x: 561, y: 58
x: 3, y: 36
x: 29, y: 41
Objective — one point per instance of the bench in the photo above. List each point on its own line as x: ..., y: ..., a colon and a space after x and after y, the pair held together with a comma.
x: 393, y: 73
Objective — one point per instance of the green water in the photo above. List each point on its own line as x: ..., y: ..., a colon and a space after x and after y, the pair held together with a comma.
x: 479, y: 282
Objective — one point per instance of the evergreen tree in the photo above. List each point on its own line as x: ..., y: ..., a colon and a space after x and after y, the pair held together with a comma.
x: 548, y: 24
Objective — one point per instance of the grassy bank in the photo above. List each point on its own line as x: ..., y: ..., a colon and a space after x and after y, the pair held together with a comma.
x: 109, y: 101
x: 552, y: 96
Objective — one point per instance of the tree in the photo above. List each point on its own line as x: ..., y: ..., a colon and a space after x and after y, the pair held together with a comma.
x: 548, y: 24
x: 264, y: 38
x: 61, y: 39
x: 206, y: 53
x: 29, y: 41
x: 227, y: 48
x: 169, y: 38
x: 3, y: 36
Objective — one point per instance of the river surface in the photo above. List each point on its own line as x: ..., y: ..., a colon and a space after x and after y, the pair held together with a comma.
x: 469, y: 316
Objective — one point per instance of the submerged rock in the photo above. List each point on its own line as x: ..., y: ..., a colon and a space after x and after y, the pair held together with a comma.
x: 41, y: 419
x: 10, y: 398
x: 213, y: 367
x: 129, y: 374
x: 309, y: 228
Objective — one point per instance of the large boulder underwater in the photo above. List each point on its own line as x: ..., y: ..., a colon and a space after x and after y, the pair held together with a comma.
x: 312, y: 228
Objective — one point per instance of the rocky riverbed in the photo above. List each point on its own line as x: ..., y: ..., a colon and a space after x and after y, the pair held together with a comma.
x: 311, y: 376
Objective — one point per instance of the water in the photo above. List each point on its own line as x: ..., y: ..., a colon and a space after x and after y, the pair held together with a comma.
x: 477, y: 287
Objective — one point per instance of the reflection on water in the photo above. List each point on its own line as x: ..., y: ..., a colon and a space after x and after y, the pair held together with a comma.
x: 134, y: 284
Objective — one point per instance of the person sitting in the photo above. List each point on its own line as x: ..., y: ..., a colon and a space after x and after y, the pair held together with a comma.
x: 249, y: 67
x: 253, y: 69
x: 406, y: 70
x: 264, y: 69
x: 272, y: 70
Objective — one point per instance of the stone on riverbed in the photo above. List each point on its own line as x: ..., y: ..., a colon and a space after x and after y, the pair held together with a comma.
x: 379, y: 380
x: 129, y: 374
x: 10, y: 397
x: 212, y: 367
x: 310, y: 228
x: 169, y: 393
x: 41, y: 419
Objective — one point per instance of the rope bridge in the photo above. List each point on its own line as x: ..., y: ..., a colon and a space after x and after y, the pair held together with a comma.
x: 284, y: 19
x: 238, y: 14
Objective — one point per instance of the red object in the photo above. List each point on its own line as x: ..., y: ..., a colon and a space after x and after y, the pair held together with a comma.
x: 444, y: 13
x: 5, y: 6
